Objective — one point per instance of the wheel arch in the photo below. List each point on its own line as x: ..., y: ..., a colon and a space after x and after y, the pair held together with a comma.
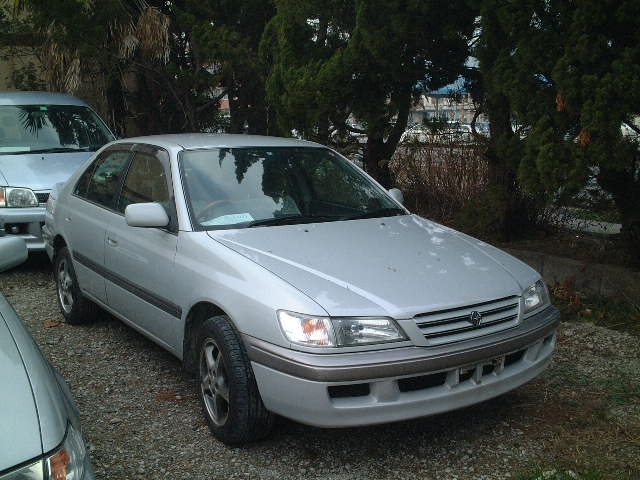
x: 198, y: 313
x: 58, y: 243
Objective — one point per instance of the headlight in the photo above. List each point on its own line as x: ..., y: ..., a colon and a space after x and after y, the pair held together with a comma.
x: 17, y: 197
x: 337, y: 331
x: 535, y: 296
x: 67, y: 463
x: 51, y: 205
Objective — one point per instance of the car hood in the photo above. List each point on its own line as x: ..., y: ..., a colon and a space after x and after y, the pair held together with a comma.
x: 40, y: 171
x: 20, y: 438
x: 34, y: 409
x: 396, y: 266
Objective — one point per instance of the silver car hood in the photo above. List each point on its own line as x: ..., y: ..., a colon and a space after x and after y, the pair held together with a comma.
x: 34, y: 413
x: 40, y: 171
x: 396, y: 266
x: 20, y: 436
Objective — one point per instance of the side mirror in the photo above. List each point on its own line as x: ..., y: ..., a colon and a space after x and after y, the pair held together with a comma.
x: 396, y: 195
x: 149, y: 215
x: 13, y: 251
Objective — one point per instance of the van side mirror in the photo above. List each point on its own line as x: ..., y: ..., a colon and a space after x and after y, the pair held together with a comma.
x: 396, y: 194
x: 13, y: 251
x: 148, y: 215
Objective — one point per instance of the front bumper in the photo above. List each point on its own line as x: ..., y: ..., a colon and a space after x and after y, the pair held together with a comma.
x: 350, y: 389
x: 26, y: 223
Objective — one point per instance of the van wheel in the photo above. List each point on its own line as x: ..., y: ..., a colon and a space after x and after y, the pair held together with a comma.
x: 227, y: 388
x: 74, y: 306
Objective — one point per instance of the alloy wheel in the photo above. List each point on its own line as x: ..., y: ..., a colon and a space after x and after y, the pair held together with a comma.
x: 65, y: 286
x: 213, y: 382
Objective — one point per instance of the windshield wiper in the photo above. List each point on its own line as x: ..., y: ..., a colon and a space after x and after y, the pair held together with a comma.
x: 291, y: 220
x: 60, y: 150
x: 380, y: 212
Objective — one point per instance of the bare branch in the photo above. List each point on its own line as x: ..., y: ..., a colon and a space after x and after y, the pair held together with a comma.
x: 212, y: 102
x: 631, y: 125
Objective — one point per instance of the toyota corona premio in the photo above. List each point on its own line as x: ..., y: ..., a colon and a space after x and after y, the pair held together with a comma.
x: 290, y: 282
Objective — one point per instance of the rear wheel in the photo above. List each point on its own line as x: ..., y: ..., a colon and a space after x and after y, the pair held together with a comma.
x: 227, y: 388
x: 74, y: 306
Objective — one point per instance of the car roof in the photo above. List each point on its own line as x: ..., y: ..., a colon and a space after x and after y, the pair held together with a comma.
x: 195, y: 141
x: 38, y: 98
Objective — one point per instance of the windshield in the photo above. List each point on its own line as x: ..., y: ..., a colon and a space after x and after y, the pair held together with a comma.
x: 50, y: 128
x: 246, y: 187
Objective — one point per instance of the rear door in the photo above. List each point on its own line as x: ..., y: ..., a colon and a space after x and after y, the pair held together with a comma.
x: 141, y: 260
x: 88, y: 212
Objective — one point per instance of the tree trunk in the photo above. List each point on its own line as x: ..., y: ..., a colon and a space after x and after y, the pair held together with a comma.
x: 625, y: 190
x: 376, y: 160
x: 248, y: 109
x: 500, y: 172
x: 513, y: 214
x: 378, y: 152
x: 236, y: 112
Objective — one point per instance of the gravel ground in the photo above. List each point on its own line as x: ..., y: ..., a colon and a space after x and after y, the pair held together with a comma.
x: 142, y: 419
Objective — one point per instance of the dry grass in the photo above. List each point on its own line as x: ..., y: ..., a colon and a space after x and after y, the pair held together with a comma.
x: 439, y: 178
x: 583, y: 411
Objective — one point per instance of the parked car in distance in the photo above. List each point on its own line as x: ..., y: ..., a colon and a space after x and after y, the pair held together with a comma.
x: 44, y: 138
x: 40, y: 436
x: 292, y: 283
x: 451, y: 132
x: 416, y: 133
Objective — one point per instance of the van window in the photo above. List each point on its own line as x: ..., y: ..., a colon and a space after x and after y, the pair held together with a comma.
x: 50, y: 128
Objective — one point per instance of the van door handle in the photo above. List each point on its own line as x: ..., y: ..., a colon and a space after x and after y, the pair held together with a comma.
x: 111, y: 242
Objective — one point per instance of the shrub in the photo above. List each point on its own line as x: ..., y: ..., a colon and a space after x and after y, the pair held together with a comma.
x: 440, y: 175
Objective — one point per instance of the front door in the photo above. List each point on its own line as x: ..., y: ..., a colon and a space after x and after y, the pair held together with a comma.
x: 141, y: 285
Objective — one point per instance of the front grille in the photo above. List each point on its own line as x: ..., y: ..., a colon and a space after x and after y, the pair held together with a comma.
x: 455, y: 324
x: 42, y: 197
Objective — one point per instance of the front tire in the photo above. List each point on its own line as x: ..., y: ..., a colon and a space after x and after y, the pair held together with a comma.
x: 74, y: 306
x: 227, y: 388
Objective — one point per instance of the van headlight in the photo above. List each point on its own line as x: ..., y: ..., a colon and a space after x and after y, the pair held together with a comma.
x: 17, y: 197
x: 535, y: 297
x: 338, y: 331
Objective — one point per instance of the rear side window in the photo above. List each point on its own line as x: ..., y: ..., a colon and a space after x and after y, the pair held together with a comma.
x: 100, y: 182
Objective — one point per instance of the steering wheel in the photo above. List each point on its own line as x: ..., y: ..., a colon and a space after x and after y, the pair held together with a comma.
x: 210, y: 206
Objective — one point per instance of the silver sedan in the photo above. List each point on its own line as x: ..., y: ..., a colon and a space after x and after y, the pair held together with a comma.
x: 290, y: 282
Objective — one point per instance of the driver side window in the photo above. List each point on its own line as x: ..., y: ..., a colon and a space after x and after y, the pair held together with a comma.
x: 145, y: 182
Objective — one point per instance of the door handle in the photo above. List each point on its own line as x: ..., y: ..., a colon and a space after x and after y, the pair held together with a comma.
x: 111, y: 242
